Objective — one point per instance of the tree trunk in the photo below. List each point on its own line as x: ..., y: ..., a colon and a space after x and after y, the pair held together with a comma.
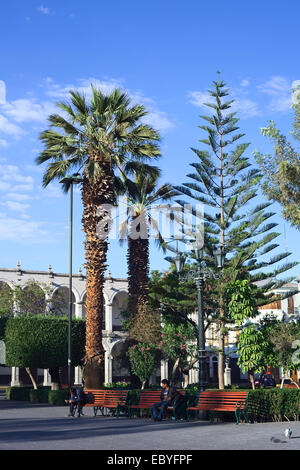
x: 97, y: 198
x: 175, y: 373
x: 186, y: 378
x: 55, y: 378
x: 31, y: 377
x: 251, y: 377
x: 221, y: 353
x: 138, y: 264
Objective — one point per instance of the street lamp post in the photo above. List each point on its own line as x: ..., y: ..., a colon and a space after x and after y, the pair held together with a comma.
x: 68, y: 182
x: 201, y: 336
x: 179, y: 261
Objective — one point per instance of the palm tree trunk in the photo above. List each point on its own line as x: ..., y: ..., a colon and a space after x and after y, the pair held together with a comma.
x: 138, y: 264
x: 97, y: 198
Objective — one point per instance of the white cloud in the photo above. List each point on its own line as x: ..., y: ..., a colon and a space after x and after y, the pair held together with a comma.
x: 158, y: 120
x: 83, y: 86
x: 16, y: 206
x: 23, y: 110
x: 10, y: 128
x: 244, y: 83
x: 18, y: 197
x: 2, y: 92
x: 44, y: 10
x: 12, y: 173
x: 198, y: 98
x: 4, y: 186
x: 280, y: 90
x: 246, y: 107
x: 20, y: 229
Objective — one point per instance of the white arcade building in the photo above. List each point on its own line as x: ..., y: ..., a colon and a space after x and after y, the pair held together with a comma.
x: 116, y: 365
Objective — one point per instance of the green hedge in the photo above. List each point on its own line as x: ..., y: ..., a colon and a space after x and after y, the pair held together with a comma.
x: 274, y: 404
x: 40, y: 395
x: 42, y: 342
x: 58, y: 397
x: 18, y: 393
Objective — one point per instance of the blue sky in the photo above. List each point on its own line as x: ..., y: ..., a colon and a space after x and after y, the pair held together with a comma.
x: 165, y: 55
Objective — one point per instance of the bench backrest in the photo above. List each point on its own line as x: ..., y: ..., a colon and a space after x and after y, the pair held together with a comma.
x: 105, y: 397
x: 220, y: 399
x: 113, y: 397
x: 149, y: 397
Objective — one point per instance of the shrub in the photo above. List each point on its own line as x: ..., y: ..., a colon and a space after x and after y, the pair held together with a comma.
x: 58, y: 397
x: 39, y: 396
x: 18, y: 393
x: 39, y: 341
x: 142, y: 361
x: 274, y: 404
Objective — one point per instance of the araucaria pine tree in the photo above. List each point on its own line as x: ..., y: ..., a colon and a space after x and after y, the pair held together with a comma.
x: 226, y: 184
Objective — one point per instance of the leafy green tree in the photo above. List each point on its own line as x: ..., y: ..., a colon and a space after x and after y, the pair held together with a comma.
x: 6, y: 300
x: 180, y: 345
x: 250, y: 349
x: 282, y: 336
x: 142, y: 361
x: 282, y: 170
x: 36, y: 341
x: 241, y: 307
x: 95, y: 139
x: 226, y: 183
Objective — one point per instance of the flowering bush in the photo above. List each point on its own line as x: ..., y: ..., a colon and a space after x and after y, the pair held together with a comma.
x: 178, y: 342
x: 142, y: 360
x: 121, y: 384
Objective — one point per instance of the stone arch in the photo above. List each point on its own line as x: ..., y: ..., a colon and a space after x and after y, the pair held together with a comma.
x: 120, y: 360
x: 119, y: 304
x: 31, y: 299
x: 6, y: 297
x: 60, y: 301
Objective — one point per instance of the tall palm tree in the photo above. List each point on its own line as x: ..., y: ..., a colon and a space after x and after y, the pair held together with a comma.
x: 96, y: 139
x: 141, y: 193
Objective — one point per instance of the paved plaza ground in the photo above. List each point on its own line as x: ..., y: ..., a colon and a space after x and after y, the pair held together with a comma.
x: 25, y: 426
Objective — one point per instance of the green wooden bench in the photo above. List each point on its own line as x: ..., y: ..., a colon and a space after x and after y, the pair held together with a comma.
x: 111, y: 399
x: 221, y: 401
x: 146, y: 399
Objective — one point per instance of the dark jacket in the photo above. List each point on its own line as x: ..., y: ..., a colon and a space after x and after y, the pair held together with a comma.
x: 173, y: 395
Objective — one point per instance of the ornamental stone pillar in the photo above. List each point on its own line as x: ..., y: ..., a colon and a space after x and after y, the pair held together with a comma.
x: 47, y: 378
x: 108, y: 317
x: 15, y: 377
x: 108, y: 371
x: 164, y: 371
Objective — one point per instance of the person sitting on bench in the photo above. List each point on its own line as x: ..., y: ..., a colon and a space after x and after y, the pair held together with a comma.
x: 76, y: 400
x: 168, y: 396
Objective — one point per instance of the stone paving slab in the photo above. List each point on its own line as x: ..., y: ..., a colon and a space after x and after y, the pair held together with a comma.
x: 25, y: 426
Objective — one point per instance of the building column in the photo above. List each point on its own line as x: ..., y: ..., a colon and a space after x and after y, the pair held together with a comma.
x: 108, y: 318
x: 108, y: 375
x: 78, y: 376
x: 227, y: 374
x: 48, y: 301
x: 15, y: 381
x: 47, y: 378
x: 164, y: 370
x: 78, y: 310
